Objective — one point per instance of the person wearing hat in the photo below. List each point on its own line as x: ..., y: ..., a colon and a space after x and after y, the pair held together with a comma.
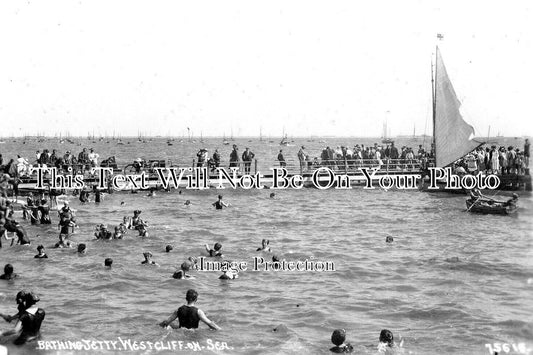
x: 148, y: 259
x: 29, y: 324
x: 247, y: 157
x: 234, y: 157
x: 202, y: 157
x: 189, y: 316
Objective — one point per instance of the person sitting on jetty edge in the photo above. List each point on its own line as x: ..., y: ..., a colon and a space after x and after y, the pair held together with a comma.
x: 216, y: 251
x: 189, y: 315
x: 338, y: 338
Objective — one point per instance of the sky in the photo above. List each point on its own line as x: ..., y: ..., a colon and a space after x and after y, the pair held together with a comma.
x: 306, y: 68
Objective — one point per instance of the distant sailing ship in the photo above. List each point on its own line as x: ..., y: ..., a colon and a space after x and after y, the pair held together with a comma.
x: 384, y: 138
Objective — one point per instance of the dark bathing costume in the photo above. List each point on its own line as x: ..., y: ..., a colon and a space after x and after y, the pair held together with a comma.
x: 188, y: 317
x: 31, y: 325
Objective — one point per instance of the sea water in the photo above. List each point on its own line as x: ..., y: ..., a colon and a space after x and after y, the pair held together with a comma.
x: 451, y: 282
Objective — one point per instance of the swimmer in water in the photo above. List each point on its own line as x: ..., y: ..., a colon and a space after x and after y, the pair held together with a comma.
x: 9, y: 273
x: 151, y: 193
x: 29, y: 323
x: 169, y: 248
x: 182, y: 274
x: 44, y: 210
x: 189, y: 315
x: 187, y: 203
x: 118, y: 233
x: 193, y: 261
x: 386, y: 341
x: 20, y: 307
x: 338, y: 338
x: 228, y: 275
x: 14, y: 227
x: 42, y: 254
x: 126, y: 222
x: 219, y: 204
x: 389, y: 239
x: 108, y: 262
x: 63, y: 242
x: 148, y: 259
x: 216, y: 251
x: 82, y: 248
x: 138, y: 224
x: 264, y: 246
x: 272, y: 195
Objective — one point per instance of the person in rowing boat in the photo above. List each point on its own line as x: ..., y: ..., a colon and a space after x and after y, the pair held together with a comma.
x: 512, y: 201
x: 189, y: 315
x: 477, y: 196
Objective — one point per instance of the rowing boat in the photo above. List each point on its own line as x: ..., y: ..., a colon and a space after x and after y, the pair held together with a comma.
x: 491, y: 207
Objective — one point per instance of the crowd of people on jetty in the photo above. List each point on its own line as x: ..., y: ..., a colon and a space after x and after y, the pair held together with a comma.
x: 493, y: 159
x: 496, y: 160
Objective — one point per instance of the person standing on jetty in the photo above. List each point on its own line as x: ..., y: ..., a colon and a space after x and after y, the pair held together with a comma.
x: 189, y: 316
x: 281, y: 159
x: 234, y: 157
x: 247, y: 157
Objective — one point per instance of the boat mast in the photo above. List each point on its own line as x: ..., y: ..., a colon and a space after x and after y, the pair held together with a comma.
x: 434, y: 98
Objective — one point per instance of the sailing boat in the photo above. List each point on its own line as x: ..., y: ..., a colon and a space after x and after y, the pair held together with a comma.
x: 452, y: 136
x: 385, y: 139
x: 224, y: 140
x: 284, y: 141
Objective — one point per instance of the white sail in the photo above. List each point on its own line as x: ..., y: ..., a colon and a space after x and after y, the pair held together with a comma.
x: 453, y: 136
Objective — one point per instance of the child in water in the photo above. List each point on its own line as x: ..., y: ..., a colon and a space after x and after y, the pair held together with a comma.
x: 338, y: 338
x: 216, y: 251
